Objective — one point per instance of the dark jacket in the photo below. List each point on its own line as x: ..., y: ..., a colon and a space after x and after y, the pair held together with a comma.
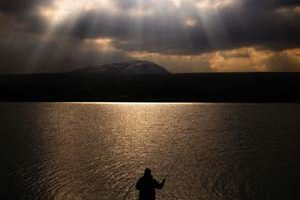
x: 147, y: 185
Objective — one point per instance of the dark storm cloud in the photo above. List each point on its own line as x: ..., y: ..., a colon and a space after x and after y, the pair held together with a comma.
x: 20, y: 6
x: 255, y: 28
x: 24, y: 15
x: 28, y: 53
x: 15, y: 6
x: 263, y: 4
x: 249, y: 23
x: 147, y: 26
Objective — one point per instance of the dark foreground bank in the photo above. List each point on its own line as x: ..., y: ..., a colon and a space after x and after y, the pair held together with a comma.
x: 205, y: 87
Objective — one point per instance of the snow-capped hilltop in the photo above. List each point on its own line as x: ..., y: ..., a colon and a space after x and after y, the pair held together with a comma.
x: 126, y: 68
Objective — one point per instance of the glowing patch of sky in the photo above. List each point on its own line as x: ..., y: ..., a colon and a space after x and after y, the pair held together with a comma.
x: 61, y: 10
x: 214, y: 4
x: 104, y: 45
x: 250, y: 58
x: 190, y: 22
x: 289, y: 11
x: 177, y: 3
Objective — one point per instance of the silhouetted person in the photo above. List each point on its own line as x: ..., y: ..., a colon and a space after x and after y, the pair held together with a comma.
x: 147, y: 185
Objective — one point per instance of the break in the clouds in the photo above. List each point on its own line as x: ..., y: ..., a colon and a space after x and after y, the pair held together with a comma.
x: 182, y: 35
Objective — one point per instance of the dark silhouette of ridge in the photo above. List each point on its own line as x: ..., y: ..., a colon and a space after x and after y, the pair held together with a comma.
x: 126, y: 68
x: 142, y: 81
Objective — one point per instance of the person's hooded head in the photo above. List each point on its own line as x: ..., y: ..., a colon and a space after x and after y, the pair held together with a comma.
x: 147, y: 173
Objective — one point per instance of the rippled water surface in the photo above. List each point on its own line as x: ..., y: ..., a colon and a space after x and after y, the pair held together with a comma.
x: 71, y: 151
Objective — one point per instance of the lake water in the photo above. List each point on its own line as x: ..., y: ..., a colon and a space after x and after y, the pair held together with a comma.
x: 86, y: 151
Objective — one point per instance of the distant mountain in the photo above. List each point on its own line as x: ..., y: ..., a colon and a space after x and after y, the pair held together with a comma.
x: 125, y: 68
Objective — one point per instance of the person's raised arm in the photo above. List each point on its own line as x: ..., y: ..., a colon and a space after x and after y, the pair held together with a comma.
x: 159, y: 185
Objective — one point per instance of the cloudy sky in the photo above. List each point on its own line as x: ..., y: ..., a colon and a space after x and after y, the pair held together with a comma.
x: 181, y: 35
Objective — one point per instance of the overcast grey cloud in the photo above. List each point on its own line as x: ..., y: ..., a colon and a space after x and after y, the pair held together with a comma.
x: 60, y: 35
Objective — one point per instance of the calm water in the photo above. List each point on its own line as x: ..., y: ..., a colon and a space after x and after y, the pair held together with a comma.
x: 66, y: 151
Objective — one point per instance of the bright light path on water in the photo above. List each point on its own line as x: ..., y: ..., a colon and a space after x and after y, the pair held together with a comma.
x: 139, y: 103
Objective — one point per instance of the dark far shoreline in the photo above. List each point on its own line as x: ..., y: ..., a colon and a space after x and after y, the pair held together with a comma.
x: 117, y: 86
